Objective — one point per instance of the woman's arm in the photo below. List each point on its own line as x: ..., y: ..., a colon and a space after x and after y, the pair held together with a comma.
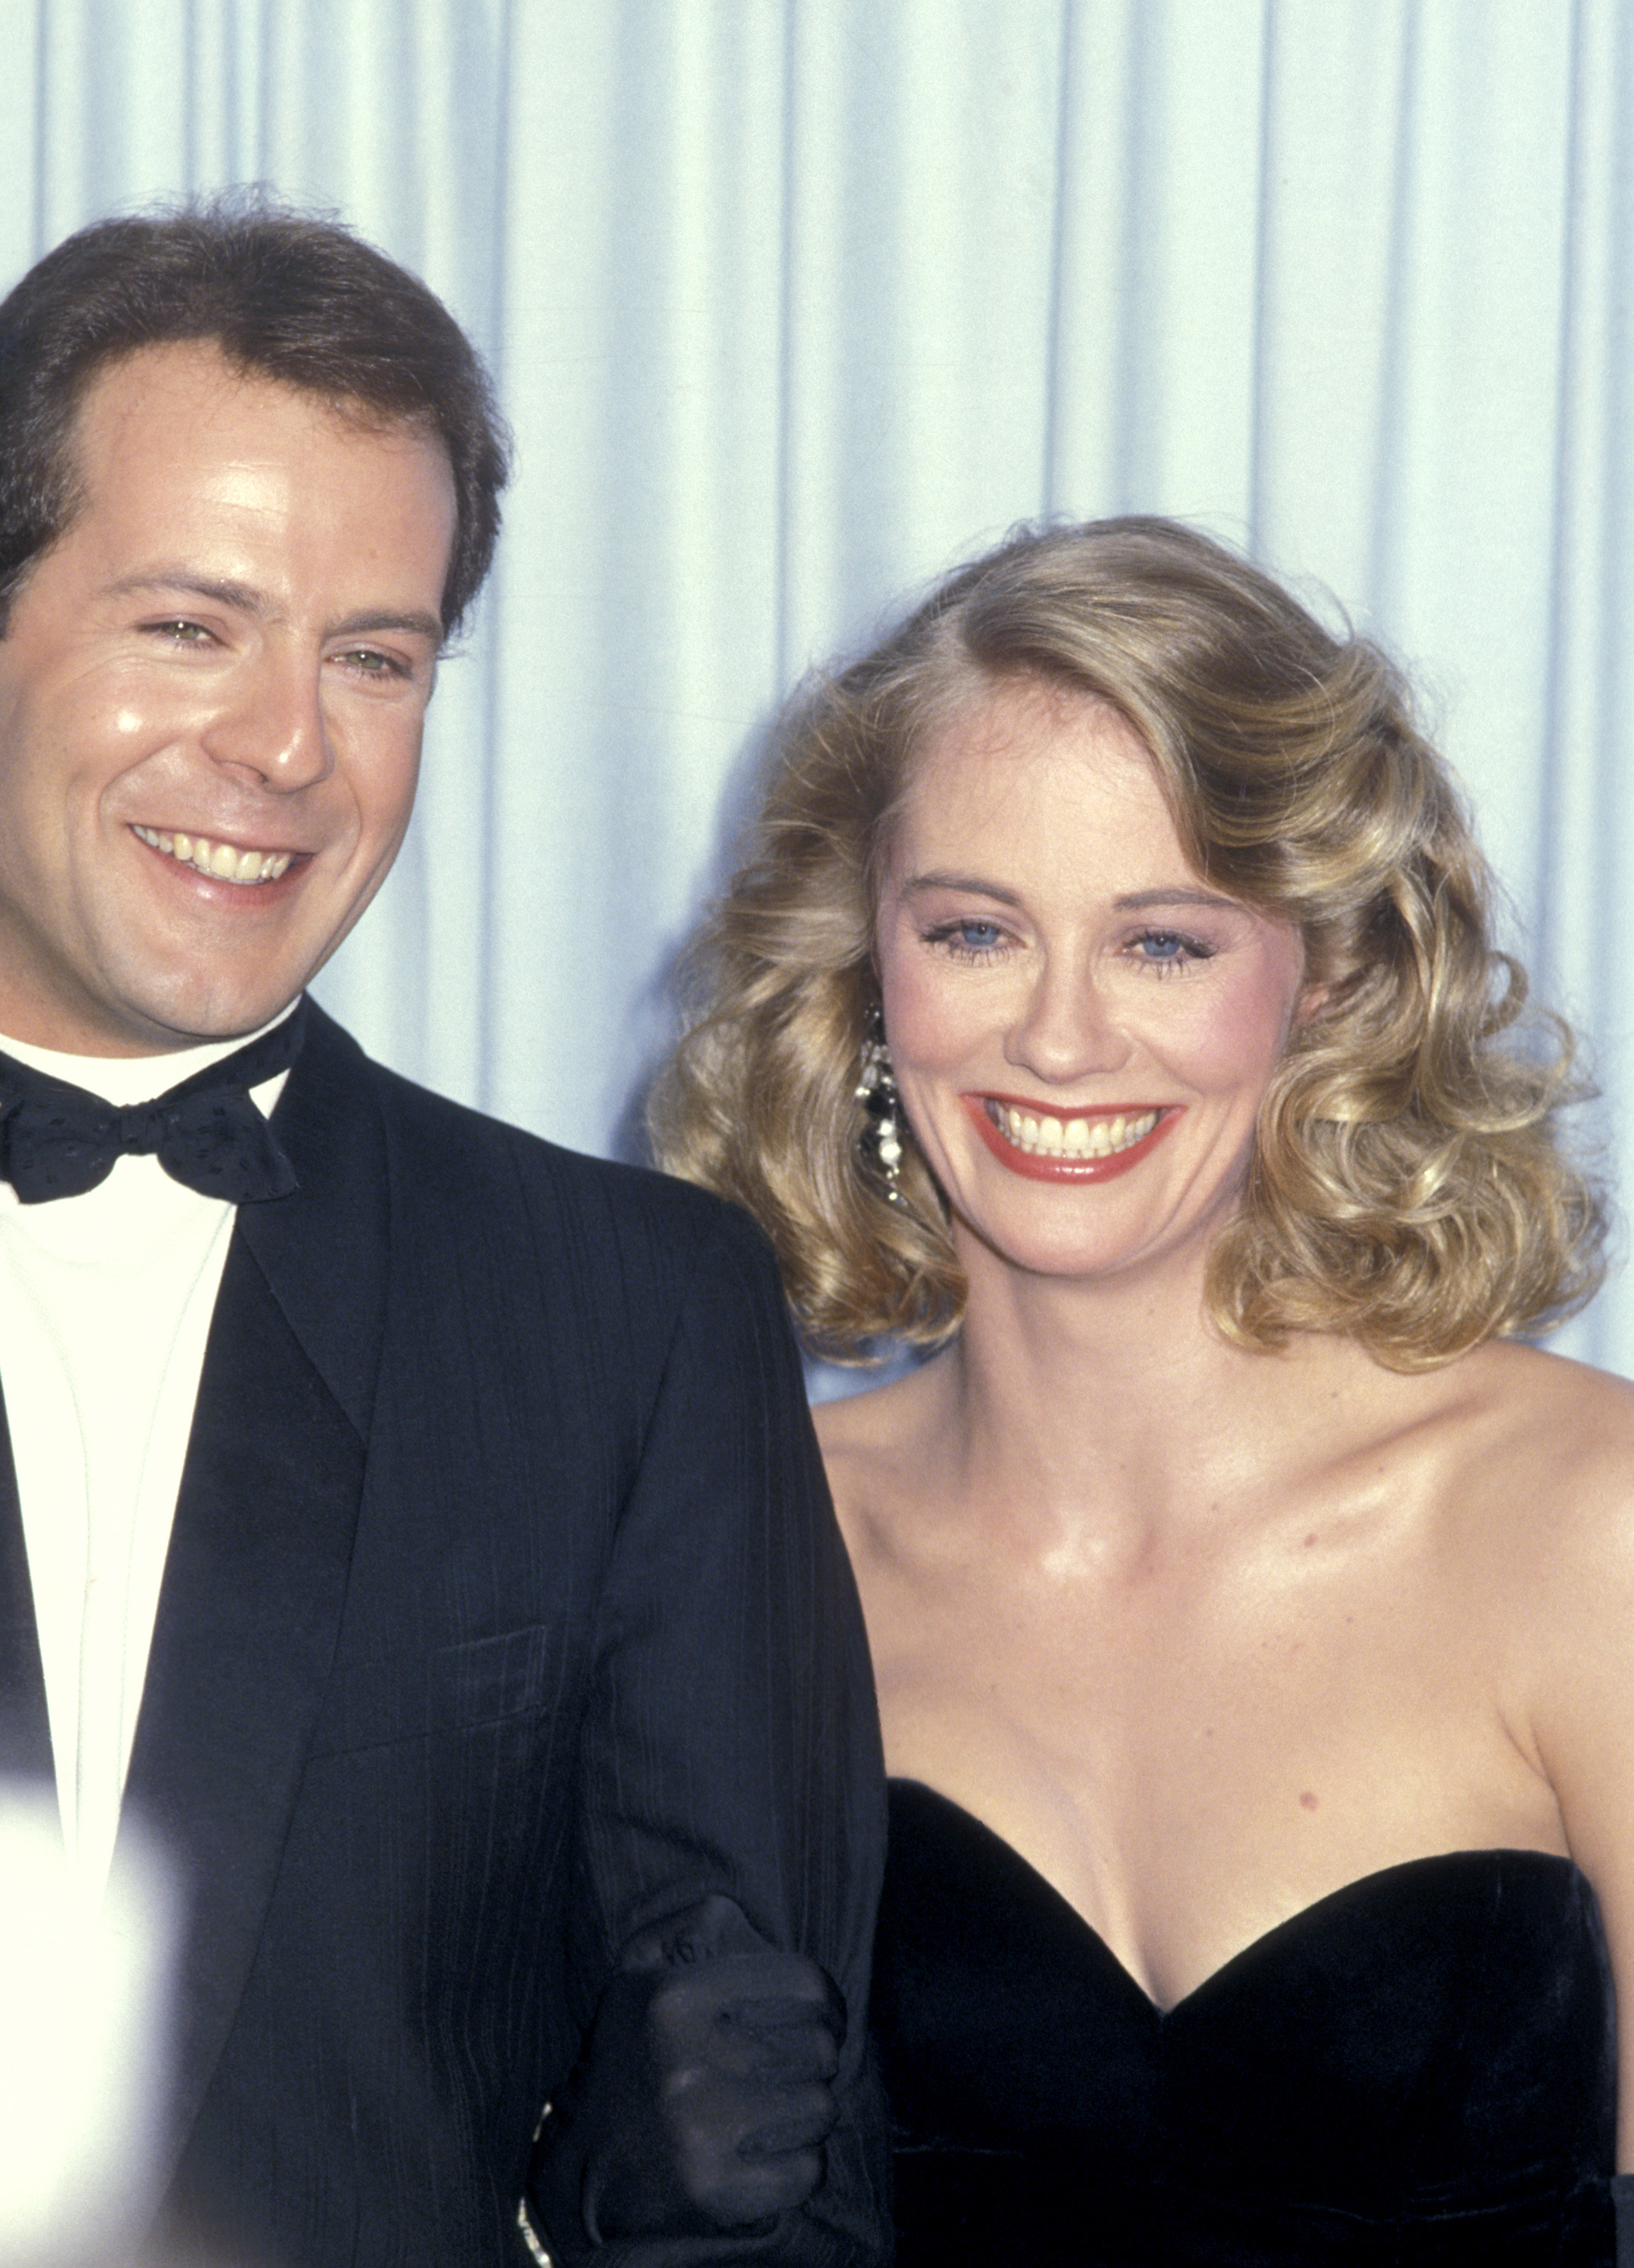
x: 1575, y: 1632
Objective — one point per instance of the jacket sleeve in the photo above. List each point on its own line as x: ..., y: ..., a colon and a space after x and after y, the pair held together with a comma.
x: 729, y: 1747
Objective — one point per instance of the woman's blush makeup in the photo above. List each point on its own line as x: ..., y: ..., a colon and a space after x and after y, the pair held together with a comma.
x: 1080, y: 1146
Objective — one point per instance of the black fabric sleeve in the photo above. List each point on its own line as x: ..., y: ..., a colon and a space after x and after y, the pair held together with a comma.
x: 1622, y: 2205
x: 729, y: 1746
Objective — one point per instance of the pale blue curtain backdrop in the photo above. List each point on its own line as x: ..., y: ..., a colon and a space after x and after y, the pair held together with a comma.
x: 795, y: 302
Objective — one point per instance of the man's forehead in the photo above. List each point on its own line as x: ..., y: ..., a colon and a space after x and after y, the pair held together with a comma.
x: 183, y: 422
x: 190, y: 474
x: 177, y: 389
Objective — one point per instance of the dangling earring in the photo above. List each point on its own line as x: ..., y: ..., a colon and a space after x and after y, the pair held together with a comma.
x: 876, y: 1091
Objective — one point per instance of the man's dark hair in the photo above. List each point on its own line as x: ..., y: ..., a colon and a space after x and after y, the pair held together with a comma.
x: 284, y: 296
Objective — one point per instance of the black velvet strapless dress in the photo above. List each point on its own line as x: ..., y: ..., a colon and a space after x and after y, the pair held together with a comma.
x: 1418, y: 2069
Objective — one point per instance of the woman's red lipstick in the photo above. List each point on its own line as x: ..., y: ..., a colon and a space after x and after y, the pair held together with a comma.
x: 1041, y: 1165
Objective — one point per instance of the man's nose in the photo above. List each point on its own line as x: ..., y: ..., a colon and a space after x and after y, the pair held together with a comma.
x: 272, y: 722
x: 1067, y: 1028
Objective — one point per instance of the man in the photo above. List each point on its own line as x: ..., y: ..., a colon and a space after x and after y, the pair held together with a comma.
x: 414, y: 1531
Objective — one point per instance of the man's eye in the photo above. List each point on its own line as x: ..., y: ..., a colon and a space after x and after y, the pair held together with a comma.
x: 179, y: 632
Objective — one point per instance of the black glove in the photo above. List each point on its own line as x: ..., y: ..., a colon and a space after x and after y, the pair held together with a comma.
x: 701, y: 2102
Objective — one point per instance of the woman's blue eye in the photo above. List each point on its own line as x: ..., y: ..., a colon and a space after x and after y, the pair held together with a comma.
x: 1165, y: 948
x: 968, y: 940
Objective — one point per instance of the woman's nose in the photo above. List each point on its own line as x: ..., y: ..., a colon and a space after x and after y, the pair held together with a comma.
x: 1067, y: 1030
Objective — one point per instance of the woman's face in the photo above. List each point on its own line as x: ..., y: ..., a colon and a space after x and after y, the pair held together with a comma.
x: 1081, y: 1029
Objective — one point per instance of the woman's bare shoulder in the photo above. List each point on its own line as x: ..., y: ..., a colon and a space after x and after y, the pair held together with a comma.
x: 1559, y: 1444
x: 1576, y: 1414
x: 1548, y: 1445
x: 1495, y: 1462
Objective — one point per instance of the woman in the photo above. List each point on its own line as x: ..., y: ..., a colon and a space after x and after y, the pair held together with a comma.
x: 1109, y: 1002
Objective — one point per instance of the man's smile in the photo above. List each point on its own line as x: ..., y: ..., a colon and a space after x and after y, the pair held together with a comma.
x: 221, y: 862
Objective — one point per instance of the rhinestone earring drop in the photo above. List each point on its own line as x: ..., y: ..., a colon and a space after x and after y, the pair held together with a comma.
x: 876, y: 1091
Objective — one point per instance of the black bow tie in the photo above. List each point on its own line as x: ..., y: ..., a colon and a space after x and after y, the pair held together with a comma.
x: 58, y: 1141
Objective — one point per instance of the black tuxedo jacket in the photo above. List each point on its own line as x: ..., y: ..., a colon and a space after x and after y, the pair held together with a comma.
x: 504, y: 1615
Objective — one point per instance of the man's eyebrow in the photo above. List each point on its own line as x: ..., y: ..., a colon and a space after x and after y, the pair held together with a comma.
x: 414, y: 624
x: 245, y: 600
x: 160, y: 580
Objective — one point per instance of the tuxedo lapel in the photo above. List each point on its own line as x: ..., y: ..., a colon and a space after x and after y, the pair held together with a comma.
x: 25, y: 1725
x: 255, y: 1577
x: 323, y: 1251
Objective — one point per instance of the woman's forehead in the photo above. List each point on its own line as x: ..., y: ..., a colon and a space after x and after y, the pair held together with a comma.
x: 1030, y: 757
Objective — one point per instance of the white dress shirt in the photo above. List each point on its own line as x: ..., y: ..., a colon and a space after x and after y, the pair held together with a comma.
x: 106, y: 1302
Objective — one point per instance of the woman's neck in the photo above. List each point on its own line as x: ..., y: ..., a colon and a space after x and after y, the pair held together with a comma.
x: 1119, y: 1398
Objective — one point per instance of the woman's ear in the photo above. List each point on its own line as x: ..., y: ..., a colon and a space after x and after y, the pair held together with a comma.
x: 1311, y: 1002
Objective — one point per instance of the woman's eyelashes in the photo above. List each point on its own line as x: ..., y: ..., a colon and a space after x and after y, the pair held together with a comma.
x: 968, y: 937
x: 1168, y: 950
x: 977, y: 938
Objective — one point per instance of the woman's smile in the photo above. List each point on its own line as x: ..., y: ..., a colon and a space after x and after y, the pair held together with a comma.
x: 1032, y: 1141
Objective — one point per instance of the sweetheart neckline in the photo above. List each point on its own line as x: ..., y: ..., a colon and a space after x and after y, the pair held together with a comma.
x: 1160, y: 2015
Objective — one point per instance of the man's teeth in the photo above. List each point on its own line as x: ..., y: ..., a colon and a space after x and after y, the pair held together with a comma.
x: 219, y: 860
x: 1071, y: 1138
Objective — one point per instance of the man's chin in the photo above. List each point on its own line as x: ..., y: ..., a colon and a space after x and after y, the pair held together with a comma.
x: 157, y: 1022
x: 206, y: 1024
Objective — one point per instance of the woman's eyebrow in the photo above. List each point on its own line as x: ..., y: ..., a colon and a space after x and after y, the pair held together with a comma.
x: 1138, y: 900
x: 1133, y: 901
x: 960, y: 882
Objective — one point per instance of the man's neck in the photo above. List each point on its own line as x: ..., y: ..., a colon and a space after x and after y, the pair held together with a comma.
x: 126, y: 1080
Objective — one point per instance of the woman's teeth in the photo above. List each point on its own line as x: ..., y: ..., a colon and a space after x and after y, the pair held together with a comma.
x: 1071, y: 1138
x: 219, y: 860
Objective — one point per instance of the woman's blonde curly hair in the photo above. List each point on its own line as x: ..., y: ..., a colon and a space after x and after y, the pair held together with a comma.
x: 1407, y: 1186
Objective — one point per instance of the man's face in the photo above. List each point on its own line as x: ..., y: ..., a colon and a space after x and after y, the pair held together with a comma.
x: 212, y: 689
